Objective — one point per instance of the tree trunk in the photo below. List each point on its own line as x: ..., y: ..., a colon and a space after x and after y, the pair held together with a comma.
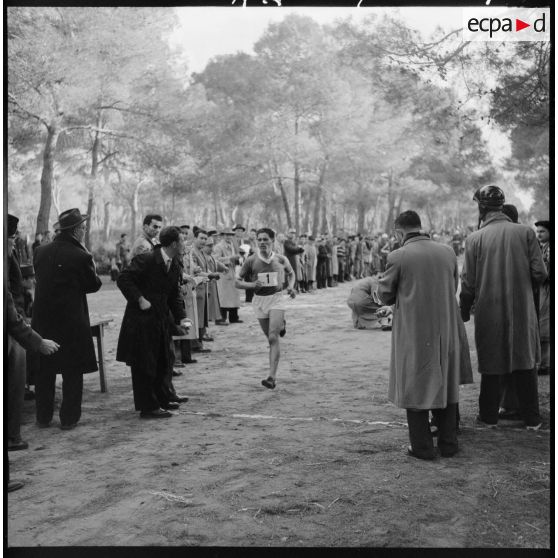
x: 399, y: 204
x: 318, y: 197
x: 429, y: 215
x: 306, y: 215
x: 296, y: 182
x: 134, y: 206
x: 361, y: 214
x: 94, y: 169
x: 334, y: 227
x: 47, y: 175
x: 216, y: 210
x: 296, y: 197
x: 284, y: 197
x: 106, y: 222
x: 324, y: 224
x: 240, y: 217
x: 391, y: 203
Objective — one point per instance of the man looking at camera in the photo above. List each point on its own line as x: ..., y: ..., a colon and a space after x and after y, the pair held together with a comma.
x: 150, y: 285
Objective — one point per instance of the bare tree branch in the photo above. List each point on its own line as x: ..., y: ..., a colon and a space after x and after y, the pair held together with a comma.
x: 12, y: 99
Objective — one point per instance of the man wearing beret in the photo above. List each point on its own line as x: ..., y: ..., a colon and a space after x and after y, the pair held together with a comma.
x: 543, y: 236
x: 502, y: 263
x: 65, y: 273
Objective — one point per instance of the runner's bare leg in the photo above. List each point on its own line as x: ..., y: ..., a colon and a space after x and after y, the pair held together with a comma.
x: 271, y: 327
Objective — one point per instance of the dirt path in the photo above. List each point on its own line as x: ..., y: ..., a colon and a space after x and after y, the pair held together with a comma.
x: 320, y: 461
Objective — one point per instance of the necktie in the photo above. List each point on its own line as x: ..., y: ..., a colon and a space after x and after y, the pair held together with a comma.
x: 168, y: 265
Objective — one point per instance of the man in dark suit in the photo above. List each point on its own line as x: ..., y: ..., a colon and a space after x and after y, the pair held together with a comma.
x: 65, y: 273
x: 150, y: 285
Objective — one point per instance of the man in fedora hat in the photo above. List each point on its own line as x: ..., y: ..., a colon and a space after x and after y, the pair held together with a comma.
x: 65, y: 273
x: 229, y: 296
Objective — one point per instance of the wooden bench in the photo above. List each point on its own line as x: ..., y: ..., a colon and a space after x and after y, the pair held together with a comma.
x: 97, y: 331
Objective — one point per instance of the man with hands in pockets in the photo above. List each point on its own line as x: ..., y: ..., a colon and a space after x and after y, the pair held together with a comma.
x: 265, y: 273
x: 151, y: 287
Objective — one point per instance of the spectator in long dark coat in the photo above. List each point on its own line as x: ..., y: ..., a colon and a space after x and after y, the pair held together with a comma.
x: 65, y: 273
x: 150, y: 285
x: 19, y: 339
x: 291, y: 250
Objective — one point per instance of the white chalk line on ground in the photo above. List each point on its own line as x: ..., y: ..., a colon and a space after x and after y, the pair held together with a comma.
x: 304, y: 419
x: 351, y: 421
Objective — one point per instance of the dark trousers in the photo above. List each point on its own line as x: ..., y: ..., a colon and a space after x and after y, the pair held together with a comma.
x: 341, y: 274
x: 232, y: 312
x: 527, y: 395
x: 72, y: 390
x: 421, y: 437
x: 321, y: 274
x: 16, y: 387
x: 184, y: 349
x: 249, y: 295
x: 153, y: 388
x: 509, y: 399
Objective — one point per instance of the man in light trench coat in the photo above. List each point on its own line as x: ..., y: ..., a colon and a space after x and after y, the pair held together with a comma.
x: 502, y: 263
x: 429, y: 349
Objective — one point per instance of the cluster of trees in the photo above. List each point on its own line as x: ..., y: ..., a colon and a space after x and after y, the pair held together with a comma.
x: 323, y: 127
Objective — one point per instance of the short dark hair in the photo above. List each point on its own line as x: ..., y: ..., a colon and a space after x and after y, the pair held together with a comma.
x: 510, y: 211
x: 185, y: 226
x: 408, y: 220
x: 168, y: 235
x: 267, y: 231
x: 197, y: 231
x: 151, y: 217
x: 123, y: 235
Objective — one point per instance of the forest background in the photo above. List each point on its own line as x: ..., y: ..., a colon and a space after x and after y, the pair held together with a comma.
x: 322, y: 128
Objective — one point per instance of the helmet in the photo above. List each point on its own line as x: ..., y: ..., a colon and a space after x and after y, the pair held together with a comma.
x: 490, y: 196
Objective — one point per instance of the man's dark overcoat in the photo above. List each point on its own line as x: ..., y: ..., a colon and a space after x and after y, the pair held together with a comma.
x: 291, y: 250
x: 65, y: 273
x: 143, y: 331
x: 502, y: 262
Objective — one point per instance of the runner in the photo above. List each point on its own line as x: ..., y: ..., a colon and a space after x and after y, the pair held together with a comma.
x: 265, y: 273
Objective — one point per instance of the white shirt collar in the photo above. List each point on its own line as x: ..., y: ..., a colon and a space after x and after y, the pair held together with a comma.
x: 166, y: 259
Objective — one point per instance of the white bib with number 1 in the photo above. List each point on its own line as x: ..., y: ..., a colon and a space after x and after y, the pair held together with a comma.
x: 269, y: 279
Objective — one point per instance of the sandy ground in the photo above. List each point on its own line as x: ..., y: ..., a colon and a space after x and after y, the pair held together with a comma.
x: 319, y: 461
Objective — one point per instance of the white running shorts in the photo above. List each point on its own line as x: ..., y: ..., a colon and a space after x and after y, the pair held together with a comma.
x: 262, y: 305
